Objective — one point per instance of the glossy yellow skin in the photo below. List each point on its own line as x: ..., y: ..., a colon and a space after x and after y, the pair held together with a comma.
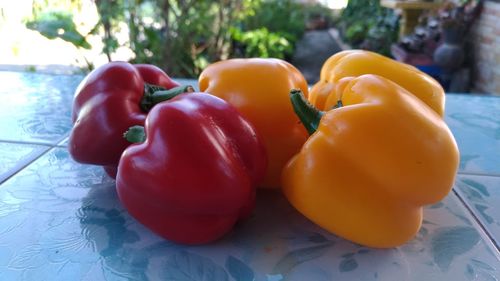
x: 353, y: 63
x: 260, y: 89
x: 371, y: 165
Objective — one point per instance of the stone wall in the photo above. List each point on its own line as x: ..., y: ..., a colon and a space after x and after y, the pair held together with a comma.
x: 486, y: 47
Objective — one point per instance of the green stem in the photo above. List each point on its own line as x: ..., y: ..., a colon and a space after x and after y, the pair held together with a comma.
x: 338, y: 105
x: 135, y: 134
x: 154, y: 94
x: 307, y: 113
x: 149, y: 89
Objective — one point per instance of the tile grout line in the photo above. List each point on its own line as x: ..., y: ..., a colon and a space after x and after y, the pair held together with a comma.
x: 32, y: 142
x: 61, y: 139
x: 32, y: 157
x: 55, y: 143
x: 478, y: 221
x: 479, y: 174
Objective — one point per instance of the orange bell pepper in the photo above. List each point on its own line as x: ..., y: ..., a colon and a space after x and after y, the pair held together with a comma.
x: 353, y: 63
x: 259, y: 89
x: 372, y: 163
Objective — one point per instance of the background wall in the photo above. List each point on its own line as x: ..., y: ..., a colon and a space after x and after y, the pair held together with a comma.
x: 486, y: 42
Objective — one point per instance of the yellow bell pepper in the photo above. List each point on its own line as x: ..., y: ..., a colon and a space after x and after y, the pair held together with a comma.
x: 371, y: 163
x: 259, y: 89
x: 353, y: 63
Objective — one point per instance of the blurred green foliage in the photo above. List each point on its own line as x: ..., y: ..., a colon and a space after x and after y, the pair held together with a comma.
x: 184, y: 36
x: 261, y: 43
x: 276, y: 26
x: 286, y: 17
x: 58, y: 24
x: 367, y: 25
x: 271, y: 31
x: 55, y: 19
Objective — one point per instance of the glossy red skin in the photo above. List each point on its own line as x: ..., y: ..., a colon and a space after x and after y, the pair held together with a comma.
x: 106, y: 104
x: 196, y: 173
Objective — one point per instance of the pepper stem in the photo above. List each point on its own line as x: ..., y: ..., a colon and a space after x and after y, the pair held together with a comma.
x: 135, y: 134
x: 154, y: 94
x: 307, y: 113
x: 338, y: 105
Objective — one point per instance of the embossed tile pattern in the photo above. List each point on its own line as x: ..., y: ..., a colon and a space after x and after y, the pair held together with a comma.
x: 475, y: 122
x: 36, y: 107
x: 60, y: 219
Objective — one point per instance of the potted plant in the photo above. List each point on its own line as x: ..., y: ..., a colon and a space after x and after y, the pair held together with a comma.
x: 455, y: 21
x: 437, y: 44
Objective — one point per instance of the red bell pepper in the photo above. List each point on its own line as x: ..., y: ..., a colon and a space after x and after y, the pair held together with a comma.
x: 107, y: 102
x: 194, y: 174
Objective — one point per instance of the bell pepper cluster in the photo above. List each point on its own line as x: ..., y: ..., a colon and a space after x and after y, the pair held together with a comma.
x: 186, y: 164
x: 359, y: 154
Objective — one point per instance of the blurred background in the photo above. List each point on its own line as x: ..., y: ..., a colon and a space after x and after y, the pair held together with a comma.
x: 457, y: 42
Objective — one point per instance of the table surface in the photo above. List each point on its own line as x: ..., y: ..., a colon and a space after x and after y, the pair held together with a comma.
x: 60, y: 220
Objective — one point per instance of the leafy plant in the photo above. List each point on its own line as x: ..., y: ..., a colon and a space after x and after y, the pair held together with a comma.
x: 262, y: 43
x: 57, y: 24
x: 365, y: 24
x: 355, y: 33
x: 270, y: 31
x: 286, y: 17
x: 179, y: 36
